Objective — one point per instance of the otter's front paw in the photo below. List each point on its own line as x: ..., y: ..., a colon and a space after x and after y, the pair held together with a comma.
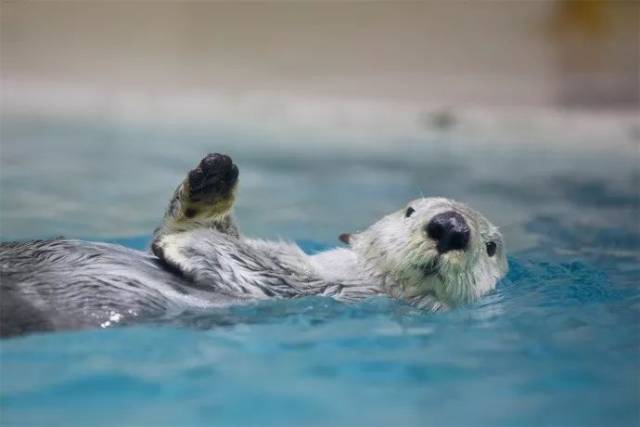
x: 214, y: 178
x: 204, y: 199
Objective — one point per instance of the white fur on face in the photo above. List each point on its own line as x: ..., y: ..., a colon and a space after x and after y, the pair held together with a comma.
x: 398, y: 247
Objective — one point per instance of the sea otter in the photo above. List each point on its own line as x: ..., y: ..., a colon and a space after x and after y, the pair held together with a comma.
x: 434, y: 253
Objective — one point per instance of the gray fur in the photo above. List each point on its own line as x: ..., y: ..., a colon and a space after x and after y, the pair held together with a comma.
x: 69, y: 284
x: 200, y: 261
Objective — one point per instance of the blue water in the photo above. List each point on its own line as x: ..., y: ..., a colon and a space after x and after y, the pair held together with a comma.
x: 558, y: 343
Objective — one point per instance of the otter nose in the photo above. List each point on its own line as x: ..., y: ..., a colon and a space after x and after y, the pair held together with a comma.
x: 450, y: 231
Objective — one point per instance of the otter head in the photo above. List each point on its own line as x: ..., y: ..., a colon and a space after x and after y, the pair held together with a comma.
x: 434, y: 253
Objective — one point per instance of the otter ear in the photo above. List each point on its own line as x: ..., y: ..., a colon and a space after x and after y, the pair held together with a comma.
x: 345, y: 238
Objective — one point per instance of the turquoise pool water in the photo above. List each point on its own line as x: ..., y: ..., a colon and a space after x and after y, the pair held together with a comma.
x: 558, y: 343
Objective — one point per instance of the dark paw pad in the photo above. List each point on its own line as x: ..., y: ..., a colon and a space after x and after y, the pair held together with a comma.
x: 216, y: 175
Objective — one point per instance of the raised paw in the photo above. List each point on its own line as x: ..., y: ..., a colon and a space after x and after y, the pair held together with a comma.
x: 215, y: 177
x: 208, y: 190
x: 204, y: 199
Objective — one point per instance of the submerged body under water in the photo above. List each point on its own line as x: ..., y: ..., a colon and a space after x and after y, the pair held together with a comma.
x: 556, y: 344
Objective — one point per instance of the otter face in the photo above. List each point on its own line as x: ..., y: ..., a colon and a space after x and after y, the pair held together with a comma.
x: 436, y: 253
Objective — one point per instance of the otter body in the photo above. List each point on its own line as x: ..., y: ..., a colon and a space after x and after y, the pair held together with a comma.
x: 63, y: 284
x: 71, y: 284
x: 434, y: 254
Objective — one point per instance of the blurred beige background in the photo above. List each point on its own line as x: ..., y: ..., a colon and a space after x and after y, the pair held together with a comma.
x: 127, y: 95
x: 498, y: 53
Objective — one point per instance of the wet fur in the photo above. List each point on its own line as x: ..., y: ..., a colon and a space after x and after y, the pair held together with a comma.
x: 199, y: 261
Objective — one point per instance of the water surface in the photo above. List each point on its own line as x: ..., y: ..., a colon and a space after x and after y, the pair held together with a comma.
x: 557, y: 344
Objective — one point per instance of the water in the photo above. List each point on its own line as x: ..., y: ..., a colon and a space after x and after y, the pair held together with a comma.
x: 557, y: 344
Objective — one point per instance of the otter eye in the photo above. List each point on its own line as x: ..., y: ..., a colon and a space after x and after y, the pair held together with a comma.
x: 491, y: 248
x: 409, y: 212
